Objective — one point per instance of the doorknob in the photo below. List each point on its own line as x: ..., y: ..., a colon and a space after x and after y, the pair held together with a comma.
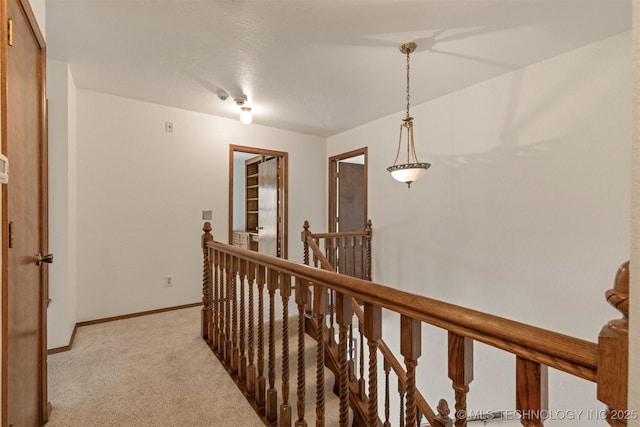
x: 44, y: 258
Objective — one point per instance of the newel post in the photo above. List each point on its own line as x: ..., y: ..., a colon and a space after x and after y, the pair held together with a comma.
x: 305, y: 233
x: 207, y: 282
x: 613, y: 352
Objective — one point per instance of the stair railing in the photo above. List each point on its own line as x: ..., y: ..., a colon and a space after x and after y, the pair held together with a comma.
x: 226, y: 268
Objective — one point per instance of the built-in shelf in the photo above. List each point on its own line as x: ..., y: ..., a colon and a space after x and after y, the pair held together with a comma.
x: 251, y: 195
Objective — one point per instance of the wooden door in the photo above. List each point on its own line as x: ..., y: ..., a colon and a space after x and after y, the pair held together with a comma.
x: 268, y: 207
x: 351, y: 198
x: 351, y: 216
x: 24, y: 216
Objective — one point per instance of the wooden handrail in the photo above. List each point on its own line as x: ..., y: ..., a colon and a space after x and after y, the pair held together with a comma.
x: 382, y: 346
x: 572, y: 355
x: 226, y: 268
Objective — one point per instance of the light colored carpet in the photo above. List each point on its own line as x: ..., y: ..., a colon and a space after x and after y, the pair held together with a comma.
x: 156, y: 370
x: 152, y: 370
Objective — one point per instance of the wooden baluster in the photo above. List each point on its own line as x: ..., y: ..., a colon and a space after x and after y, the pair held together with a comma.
x: 352, y: 243
x: 613, y: 352
x: 228, y: 278
x: 531, y: 391
x: 362, y: 394
x: 272, y: 393
x: 344, y: 314
x: 305, y: 245
x: 315, y: 257
x: 402, y: 391
x: 328, y: 251
x: 261, y: 383
x: 342, y: 263
x: 387, y: 370
x: 207, y: 283
x: 332, y: 306
x: 251, y: 369
x: 235, y: 352
x: 373, y: 332
x: 320, y: 311
x: 410, y: 348
x: 219, y: 323
x: 285, y: 408
x: 302, y: 299
x: 242, y: 359
x: 460, y: 373
x: 351, y: 362
x: 219, y: 312
x: 442, y: 418
x: 369, y: 230
x: 362, y: 274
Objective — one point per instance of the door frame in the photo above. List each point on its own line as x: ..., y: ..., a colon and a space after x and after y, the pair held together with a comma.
x: 283, y: 190
x: 333, y: 184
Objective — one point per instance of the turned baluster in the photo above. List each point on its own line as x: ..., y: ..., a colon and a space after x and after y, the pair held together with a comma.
x: 228, y: 278
x: 613, y: 353
x: 352, y: 350
x: 242, y: 359
x: 207, y: 283
x: 272, y: 393
x: 320, y: 311
x: 410, y: 348
x: 305, y: 244
x: 235, y: 352
x: 362, y: 394
x: 460, y: 373
x: 251, y: 369
x: 219, y: 313
x: 332, y: 306
x: 387, y: 370
x: 531, y: 392
x: 353, y: 244
x: 373, y: 332
x: 402, y: 391
x: 362, y: 274
x: 302, y: 299
x: 261, y: 380
x: 285, y: 408
x: 219, y: 298
x: 344, y: 314
x: 315, y: 257
x: 342, y: 262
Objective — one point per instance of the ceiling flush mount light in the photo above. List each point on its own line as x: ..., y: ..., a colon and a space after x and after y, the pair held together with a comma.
x: 412, y: 170
x: 246, y: 116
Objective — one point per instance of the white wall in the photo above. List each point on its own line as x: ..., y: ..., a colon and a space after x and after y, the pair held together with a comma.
x: 62, y: 203
x: 634, y: 320
x: 523, y: 214
x: 140, y: 193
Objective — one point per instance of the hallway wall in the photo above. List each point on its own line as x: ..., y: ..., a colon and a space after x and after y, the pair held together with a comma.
x: 524, y: 212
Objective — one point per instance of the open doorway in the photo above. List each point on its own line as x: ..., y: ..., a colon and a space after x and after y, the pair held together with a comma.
x: 348, y: 191
x: 258, y: 196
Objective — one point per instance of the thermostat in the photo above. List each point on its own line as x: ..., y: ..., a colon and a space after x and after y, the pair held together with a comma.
x: 4, y: 169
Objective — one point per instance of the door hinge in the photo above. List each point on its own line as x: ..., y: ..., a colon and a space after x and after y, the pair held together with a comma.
x: 10, y: 33
x: 10, y: 234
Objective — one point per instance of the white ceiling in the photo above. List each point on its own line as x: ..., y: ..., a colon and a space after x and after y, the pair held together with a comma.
x: 313, y: 66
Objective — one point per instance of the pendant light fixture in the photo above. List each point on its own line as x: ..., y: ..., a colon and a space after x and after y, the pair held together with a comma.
x: 412, y: 170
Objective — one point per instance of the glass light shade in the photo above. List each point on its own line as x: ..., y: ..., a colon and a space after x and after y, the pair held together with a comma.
x: 246, y: 116
x: 409, y: 172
